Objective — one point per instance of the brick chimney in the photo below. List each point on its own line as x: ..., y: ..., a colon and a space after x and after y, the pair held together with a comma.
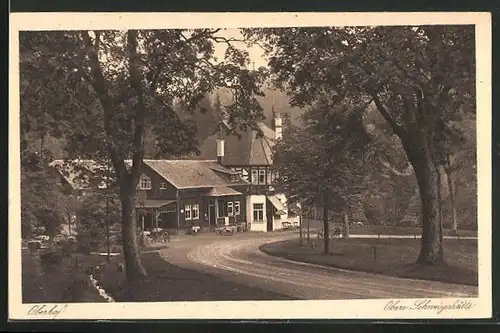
x: 220, y: 151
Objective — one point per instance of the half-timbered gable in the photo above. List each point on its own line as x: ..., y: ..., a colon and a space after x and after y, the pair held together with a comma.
x: 249, y: 154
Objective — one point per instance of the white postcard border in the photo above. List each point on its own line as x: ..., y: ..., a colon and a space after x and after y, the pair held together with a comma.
x: 310, y: 309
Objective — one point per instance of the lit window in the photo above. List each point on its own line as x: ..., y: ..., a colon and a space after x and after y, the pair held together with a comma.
x: 145, y: 183
x: 187, y: 212
x: 230, y: 209
x: 163, y: 186
x: 196, y: 211
x: 262, y: 176
x: 258, y: 212
x: 236, y: 208
x: 255, y: 176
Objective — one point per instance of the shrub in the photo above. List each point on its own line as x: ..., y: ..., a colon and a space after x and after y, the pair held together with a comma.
x: 76, y: 289
x: 92, y: 223
x: 116, y: 239
x: 84, y: 245
x: 34, y: 246
x: 68, y: 248
x: 50, y: 260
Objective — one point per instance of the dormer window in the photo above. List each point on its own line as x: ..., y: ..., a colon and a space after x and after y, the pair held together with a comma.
x: 262, y: 176
x: 145, y: 183
x: 255, y: 175
x: 163, y: 186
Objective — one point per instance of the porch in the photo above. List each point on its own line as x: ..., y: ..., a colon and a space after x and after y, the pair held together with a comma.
x: 154, y: 213
x: 224, y: 206
x: 276, y: 213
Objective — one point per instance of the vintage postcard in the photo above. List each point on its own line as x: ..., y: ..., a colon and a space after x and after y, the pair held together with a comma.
x: 250, y: 166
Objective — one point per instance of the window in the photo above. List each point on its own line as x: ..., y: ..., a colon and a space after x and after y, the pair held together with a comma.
x: 236, y: 208
x: 255, y: 176
x: 234, y: 178
x: 187, y: 212
x: 230, y: 209
x: 163, y: 186
x: 145, y: 182
x: 262, y: 176
x: 244, y: 174
x: 196, y: 211
x: 258, y: 212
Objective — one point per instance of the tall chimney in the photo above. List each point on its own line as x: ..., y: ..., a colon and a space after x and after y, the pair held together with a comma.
x: 278, y: 129
x: 220, y: 151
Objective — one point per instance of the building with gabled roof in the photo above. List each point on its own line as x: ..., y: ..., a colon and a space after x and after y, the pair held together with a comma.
x: 178, y: 194
x: 172, y: 194
x: 249, y: 154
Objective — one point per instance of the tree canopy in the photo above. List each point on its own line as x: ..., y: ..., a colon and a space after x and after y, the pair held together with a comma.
x: 105, y: 90
x: 420, y: 79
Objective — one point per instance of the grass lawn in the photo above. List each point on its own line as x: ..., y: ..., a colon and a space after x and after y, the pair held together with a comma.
x: 166, y: 282
x: 384, y: 230
x: 393, y: 257
x: 66, y: 282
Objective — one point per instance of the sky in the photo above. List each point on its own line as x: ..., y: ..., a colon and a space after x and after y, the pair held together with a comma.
x: 256, y: 53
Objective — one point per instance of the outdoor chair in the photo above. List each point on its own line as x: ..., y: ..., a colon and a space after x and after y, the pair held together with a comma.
x: 193, y: 230
x: 225, y: 231
x: 159, y: 235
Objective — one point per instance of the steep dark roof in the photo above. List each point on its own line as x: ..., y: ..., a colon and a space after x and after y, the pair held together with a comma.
x: 191, y: 173
x: 180, y: 173
x: 248, y: 149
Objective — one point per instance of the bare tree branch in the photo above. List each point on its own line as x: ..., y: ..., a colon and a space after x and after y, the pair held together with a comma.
x: 383, y: 111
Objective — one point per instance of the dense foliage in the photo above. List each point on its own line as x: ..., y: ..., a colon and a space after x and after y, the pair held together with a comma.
x: 104, y: 91
x: 421, y: 80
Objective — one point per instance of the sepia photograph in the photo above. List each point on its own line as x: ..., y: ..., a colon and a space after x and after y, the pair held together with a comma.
x: 176, y: 167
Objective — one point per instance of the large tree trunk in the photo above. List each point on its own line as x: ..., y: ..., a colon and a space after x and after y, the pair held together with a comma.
x: 133, y: 265
x: 326, y: 226
x: 431, y: 250
x: 345, y: 229
x: 451, y: 190
x: 417, y: 142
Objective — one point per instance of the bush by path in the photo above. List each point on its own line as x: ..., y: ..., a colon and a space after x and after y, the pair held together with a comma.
x: 65, y: 279
x: 58, y: 278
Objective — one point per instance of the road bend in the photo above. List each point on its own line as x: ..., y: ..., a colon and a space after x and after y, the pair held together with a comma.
x: 240, y: 260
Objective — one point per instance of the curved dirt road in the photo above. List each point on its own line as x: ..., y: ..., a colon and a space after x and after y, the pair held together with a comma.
x: 240, y: 260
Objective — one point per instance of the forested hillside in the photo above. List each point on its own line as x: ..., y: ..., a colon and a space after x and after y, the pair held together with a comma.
x: 390, y: 197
